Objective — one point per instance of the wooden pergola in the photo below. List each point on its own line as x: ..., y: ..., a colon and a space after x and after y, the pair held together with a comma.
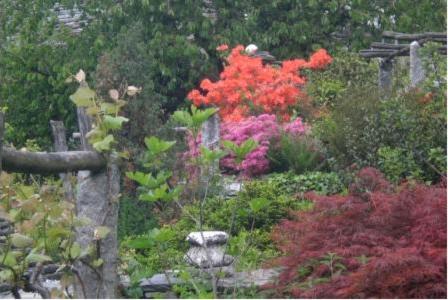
x: 396, y: 44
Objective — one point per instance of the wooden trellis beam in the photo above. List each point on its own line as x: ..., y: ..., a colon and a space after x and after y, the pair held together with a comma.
x: 436, y: 36
x: 51, y: 162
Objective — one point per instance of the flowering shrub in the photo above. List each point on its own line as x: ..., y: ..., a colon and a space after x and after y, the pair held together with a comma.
x: 372, y: 243
x: 246, y: 84
x: 263, y: 129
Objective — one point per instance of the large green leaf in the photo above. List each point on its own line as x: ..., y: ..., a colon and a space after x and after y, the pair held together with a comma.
x: 104, y: 144
x: 75, y: 250
x: 114, y: 123
x: 21, y: 241
x: 37, y: 258
x: 101, y: 232
x: 83, y: 96
x: 157, y: 146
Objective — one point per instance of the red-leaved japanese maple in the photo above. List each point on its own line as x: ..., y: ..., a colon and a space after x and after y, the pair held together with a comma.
x: 385, y: 243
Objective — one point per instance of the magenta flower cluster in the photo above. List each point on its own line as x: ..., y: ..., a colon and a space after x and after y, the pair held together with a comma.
x: 264, y: 129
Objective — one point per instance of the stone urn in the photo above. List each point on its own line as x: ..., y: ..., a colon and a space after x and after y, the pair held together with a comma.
x: 207, y: 249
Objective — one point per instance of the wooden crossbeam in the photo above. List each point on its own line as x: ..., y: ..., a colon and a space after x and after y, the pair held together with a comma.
x: 51, y: 162
x: 389, y: 51
x: 416, y: 36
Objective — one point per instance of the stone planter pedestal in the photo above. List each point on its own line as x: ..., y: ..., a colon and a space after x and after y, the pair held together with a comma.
x: 207, y: 250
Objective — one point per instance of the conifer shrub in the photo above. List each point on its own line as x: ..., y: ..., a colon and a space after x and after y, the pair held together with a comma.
x: 376, y: 242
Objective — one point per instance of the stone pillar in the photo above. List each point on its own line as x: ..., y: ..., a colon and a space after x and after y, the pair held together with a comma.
x: 209, y: 139
x: 210, y: 132
x: 2, y: 127
x: 417, y: 72
x: 97, y: 201
x: 385, y: 76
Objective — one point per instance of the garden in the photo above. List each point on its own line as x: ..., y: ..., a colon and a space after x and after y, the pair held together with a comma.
x: 149, y: 150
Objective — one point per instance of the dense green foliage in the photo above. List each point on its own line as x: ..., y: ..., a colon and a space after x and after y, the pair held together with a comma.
x: 167, y: 47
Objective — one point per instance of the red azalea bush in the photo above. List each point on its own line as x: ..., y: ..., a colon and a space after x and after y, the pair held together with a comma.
x: 384, y: 244
x: 247, y: 84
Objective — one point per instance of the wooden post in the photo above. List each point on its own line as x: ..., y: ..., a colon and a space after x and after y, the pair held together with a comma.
x: 97, y: 200
x: 60, y: 144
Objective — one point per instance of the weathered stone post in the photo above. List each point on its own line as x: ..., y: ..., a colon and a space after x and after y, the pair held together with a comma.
x: 210, y: 132
x: 417, y: 72
x: 60, y: 145
x: 385, y: 76
x: 2, y: 128
x: 97, y: 200
x: 210, y: 138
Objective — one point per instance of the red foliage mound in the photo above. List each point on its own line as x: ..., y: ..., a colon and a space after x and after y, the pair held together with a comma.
x: 373, y: 243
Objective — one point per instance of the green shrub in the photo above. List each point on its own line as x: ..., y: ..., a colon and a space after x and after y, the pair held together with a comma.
x: 346, y: 71
x: 135, y: 217
x: 220, y: 212
x: 356, y: 133
x: 296, y: 153
x: 396, y: 164
x: 322, y: 183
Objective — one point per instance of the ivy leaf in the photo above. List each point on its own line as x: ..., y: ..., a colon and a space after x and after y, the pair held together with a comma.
x: 101, y: 232
x: 37, y: 258
x: 114, y: 122
x: 109, y: 108
x: 104, y: 144
x: 98, y: 262
x: 83, y: 96
x: 75, y: 251
x: 21, y: 241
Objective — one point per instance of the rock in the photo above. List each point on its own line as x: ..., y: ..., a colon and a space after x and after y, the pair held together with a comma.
x: 221, y: 272
x: 49, y: 269
x: 249, y: 279
x: 5, y: 288
x: 167, y: 295
x: 159, y: 283
x: 231, y: 189
x: 208, y: 238
x: 207, y: 257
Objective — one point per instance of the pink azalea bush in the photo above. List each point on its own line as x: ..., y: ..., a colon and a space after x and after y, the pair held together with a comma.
x: 263, y: 129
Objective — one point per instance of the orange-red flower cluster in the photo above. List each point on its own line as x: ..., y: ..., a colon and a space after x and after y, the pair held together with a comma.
x: 246, y: 84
